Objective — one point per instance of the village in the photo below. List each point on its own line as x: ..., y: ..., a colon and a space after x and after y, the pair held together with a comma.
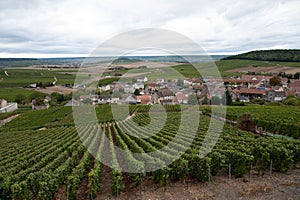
x: 181, y: 91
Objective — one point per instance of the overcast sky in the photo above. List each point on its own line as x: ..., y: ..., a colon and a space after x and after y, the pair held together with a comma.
x: 57, y: 28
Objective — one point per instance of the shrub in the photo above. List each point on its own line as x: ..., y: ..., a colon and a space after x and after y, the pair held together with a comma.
x: 246, y: 122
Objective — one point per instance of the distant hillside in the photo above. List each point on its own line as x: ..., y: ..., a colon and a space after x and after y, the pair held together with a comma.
x: 16, y: 59
x: 124, y: 60
x: 285, y: 55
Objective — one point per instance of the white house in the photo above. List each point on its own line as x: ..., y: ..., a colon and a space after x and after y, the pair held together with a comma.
x: 138, y: 86
x: 7, y: 107
x: 128, y: 88
x: 142, y: 79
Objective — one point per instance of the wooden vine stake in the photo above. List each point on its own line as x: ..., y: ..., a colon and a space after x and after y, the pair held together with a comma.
x: 271, y: 165
x: 209, y: 174
x: 250, y: 175
x: 229, y: 171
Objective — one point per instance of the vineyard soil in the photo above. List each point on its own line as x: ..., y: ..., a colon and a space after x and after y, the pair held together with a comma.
x: 279, y: 186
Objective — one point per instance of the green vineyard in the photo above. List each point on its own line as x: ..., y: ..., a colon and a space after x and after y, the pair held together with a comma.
x: 35, y: 164
x: 283, y: 120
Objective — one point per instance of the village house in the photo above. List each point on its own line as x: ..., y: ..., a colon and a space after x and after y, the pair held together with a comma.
x: 182, y: 98
x: 277, y: 94
x: 108, y: 87
x: 36, y: 106
x: 152, y: 87
x: 198, y: 89
x: 100, y: 99
x: 144, y: 99
x: 104, y: 99
x: 128, y: 99
x: 33, y: 85
x: 160, y: 81
x: 192, y: 81
x: 246, y: 94
x: 129, y: 88
x: 165, y: 96
x: 138, y: 86
x: 7, y: 107
x: 294, y: 87
x: 234, y: 93
x: 142, y: 79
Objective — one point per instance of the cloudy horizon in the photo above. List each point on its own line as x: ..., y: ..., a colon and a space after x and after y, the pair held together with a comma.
x: 43, y: 29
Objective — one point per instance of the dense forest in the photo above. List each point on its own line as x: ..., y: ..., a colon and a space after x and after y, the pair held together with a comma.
x: 286, y: 55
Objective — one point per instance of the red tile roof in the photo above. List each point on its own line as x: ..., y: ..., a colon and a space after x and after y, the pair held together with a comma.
x: 252, y: 91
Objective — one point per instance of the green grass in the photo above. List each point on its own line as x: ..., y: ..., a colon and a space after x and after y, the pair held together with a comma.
x: 24, y: 77
x: 9, y: 94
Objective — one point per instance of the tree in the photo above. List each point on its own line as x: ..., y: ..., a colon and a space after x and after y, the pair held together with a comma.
x: 136, y: 92
x: 20, y: 98
x: 193, y: 99
x: 292, y: 101
x: 39, y: 101
x: 215, y: 100
x: 246, y: 122
x: 57, y: 97
x: 35, y: 95
x: 297, y: 75
x: 227, y: 100
x: 180, y: 82
x: 275, y: 80
x: 205, y: 100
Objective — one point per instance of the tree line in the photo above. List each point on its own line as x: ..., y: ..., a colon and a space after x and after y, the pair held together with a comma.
x: 285, y: 55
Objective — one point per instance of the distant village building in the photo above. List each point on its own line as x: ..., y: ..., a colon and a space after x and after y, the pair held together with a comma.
x: 138, y: 86
x: 192, y: 81
x: 278, y: 95
x: 7, y: 107
x: 129, y: 88
x: 165, y: 96
x: 144, y: 99
x: 40, y: 106
x: 247, y: 94
x: 182, y: 98
x: 100, y: 99
x: 152, y: 87
x: 142, y: 79
x: 128, y: 99
x: 33, y: 85
x: 160, y: 80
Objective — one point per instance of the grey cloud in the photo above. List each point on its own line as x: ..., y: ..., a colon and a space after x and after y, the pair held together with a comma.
x: 76, y: 27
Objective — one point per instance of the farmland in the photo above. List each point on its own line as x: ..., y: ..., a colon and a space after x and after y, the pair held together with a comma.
x: 37, y: 163
x: 24, y: 77
x: 43, y: 155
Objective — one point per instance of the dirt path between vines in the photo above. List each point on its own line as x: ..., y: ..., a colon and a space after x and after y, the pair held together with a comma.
x: 6, y: 120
